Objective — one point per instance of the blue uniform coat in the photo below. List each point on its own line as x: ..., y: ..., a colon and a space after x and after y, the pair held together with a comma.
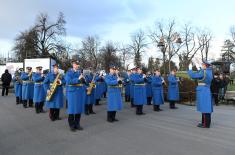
x: 127, y: 86
x: 114, y: 93
x: 140, y: 97
x: 157, y: 90
x: 57, y: 100
x: 203, y: 93
x: 76, y: 95
x: 148, y: 87
x: 39, y: 92
x: 173, y: 88
x: 99, y: 87
x: 27, y: 87
x: 18, y: 88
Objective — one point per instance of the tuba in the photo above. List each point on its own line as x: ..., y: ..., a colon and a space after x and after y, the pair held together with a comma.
x: 53, y: 87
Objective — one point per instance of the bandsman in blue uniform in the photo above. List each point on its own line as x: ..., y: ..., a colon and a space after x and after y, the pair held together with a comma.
x: 18, y: 85
x: 203, y: 93
x: 98, y: 89
x: 76, y: 96
x: 173, y: 89
x: 127, y: 85
x: 157, y: 90
x: 27, y: 87
x: 90, y: 95
x: 57, y: 100
x: 114, y: 84
x: 140, y: 98
x: 132, y: 75
x: 148, y: 88
x: 39, y: 92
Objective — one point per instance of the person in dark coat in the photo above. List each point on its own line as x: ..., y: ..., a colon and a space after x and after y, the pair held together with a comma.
x: 222, y: 87
x: 6, y: 80
x: 215, y: 84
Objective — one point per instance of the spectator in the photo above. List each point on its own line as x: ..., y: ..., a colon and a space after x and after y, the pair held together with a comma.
x: 222, y: 87
x: 6, y: 80
x: 215, y: 85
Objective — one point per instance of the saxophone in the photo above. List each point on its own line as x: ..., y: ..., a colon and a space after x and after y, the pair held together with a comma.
x: 91, y: 86
x: 53, y: 88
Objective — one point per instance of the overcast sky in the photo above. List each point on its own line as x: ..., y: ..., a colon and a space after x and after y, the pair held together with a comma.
x: 115, y: 19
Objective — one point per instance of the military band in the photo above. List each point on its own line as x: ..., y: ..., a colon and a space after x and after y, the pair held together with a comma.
x: 39, y: 92
x: 56, y: 101
x: 27, y: 87
x: 84, y: 90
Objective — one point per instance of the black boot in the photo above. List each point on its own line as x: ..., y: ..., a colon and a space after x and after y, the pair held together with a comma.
x: 37, y: 109
x: 141, y: 110
x: 57, y: 114
x: 77, y: 122
x: 31, y: 103
x: 24, y: 103
x: 109, y: 117
x: 202, y: 124
x: 71, y: 121
x: 172, y: 105
x: 114, y: 116
x: 207, y: 120
x: 52, y: 114
x: 41, y: 107
x: 149, y: 100
x: 90, y: 108
x: 97, y: 102
x: 132, y: 103
x: 17, y: 100
x: 86, y: 109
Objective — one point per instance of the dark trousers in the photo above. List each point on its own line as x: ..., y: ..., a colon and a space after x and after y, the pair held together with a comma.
x: 216, y: 98
x: 74, y: 120
x: 206, y: 120
x: 149, y: 99
x: 5, y: 90
x: 18, y: 100
x: 39, y: 107
x: 54, y: 114
x: 30, y: 103
x: 97, y: 102
x: 172, y: 104
x: 127, y: 98
x: 89, y: 109
x: 139, y: 109
x: 156, y: 107
x: 132, y: 102
x: 111, y: 116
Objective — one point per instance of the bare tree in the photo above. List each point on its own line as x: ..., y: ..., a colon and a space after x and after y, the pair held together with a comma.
x: 137, y: 46
x: 90, y: 50
x: 167, y: 37
x: 125, y: 55
x: 191, y: 47
x: 204, y: 38
x: 109, y: 56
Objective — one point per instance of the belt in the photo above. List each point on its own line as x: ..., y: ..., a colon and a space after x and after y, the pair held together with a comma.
x: 76, y: 85
x: 38, y: 83
x: 28, y: 82
x: 115, y: 86
x: 201, y: 84
x: 52, y: 84
x: 140, y: 84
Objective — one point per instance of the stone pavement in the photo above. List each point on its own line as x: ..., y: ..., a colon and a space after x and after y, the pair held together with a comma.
x: 170, y: 132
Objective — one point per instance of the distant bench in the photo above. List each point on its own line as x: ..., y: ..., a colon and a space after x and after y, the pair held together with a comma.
x: 230, y: 96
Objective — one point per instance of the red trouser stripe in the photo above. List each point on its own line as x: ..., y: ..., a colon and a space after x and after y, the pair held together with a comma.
x: 204, y: 123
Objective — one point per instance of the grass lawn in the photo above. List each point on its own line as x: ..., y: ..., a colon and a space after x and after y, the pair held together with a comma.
x: 182, y: 74
x: 231, y: 87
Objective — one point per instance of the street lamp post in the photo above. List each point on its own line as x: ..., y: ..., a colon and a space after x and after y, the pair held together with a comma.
x: 161, y: 44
